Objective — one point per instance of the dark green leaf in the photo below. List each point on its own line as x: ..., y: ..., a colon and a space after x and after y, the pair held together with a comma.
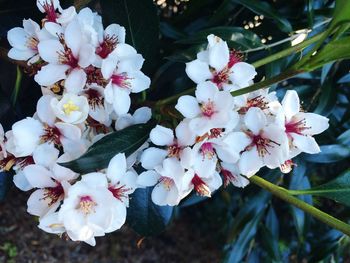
x: 337, y: 189
x: 344, y: 138
x: 169, y: 31
x: 264, y: 8
x: 236, y: 37
x: 141, y: 22
x: 341, y: 12
x: 99, y: 154
x: 5, y: 180
x: 144, y: 216
x: 329, y: 154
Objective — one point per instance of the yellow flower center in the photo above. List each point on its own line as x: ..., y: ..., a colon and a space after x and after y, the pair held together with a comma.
x: 69, y: 107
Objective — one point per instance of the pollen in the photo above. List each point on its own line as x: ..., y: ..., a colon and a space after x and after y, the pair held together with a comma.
x: 70, y: 107
x: 208, y: 108
x: 86, y: 205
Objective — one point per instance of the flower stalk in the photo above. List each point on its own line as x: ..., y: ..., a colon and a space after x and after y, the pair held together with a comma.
x: 285, y: 195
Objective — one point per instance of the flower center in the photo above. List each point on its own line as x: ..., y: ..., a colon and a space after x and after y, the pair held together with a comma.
x: 262, y: 144
x: 208, y: 109
x: 70, y: 107
x: 66, y: 56
x: 207, y: 150
x: 94, y: 75
x: 86, y: 205
x: 50, y: 11
x: 228, y: 177
x: 297, y: 127
x: 200, y: 186
x: 287, y: 166
x: 174, y: 150
x: 166, y: 182
x: 32, y: 43
x: 107, y: 46
x: 258, y: 102
x: 53, y: 193
x: 51, y: 134
x: 23, y: 162
x: 119, y: 192
x: 7, y: 163
x: 121, y: 80
x: 95, y: 99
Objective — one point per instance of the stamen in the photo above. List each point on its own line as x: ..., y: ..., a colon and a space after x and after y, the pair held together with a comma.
x: 53, y: 193
x: 174, y: 150
x: 297, y: 127
x: 262, y: 144
x: 69, y: 107
x: 257, y: 102
x: 228, y: 177
x: 66, y: 57
x: 95, y: 99
x: 86, y: 205
x: 107, y: 46
x: 119, y: 192
x: 208, y: 109
x: 121, y: 80
x: 51, y: 134
x: 200, y: 186
x: 166, y: 182
x: 207, y: 150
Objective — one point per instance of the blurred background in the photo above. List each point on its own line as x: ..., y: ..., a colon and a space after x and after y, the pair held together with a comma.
x: 236, y: 225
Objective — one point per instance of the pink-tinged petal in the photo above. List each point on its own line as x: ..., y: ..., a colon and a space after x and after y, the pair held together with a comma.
x: 122, y: 102
x: 314, y: 123
x: 138, y: 81
x: 188, y: 106
x: 116, y: 168
x: 250, y: 162
x: 219, y: 53
x: 50, y: 74
x: 161, y: 136
x: 148, y: 178
x: 291, y: 104
x: 117, y: 31
x: 49, y: 50
x: 75, y: 81
x: 44, y: 111
x: 18, y: 54
x: 198, y: 71
x: 69, y: 131
x: 38, y: 176
x: 73, y: 37
x: 86, y: 55
x: 255, y: 120
x: 152, y: 157
x: 242, y: 74
x: 206, y: 91
x: 305, y: 143
x: 17, y: 38
x: 236, y: 179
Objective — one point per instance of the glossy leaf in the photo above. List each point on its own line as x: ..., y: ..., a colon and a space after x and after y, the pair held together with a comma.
x: 99, y: 154
x: 144, y: 216
x: 344, y: 138
x: 329, y: 154
x: 141, y: 23
x: 264, y: 8
x: 5, y: 180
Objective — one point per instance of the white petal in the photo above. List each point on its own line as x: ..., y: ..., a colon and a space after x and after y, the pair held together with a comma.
x: 142, y: 115
x: 198, y: 71
x: 44, y: 111
x: 50, y: 224
x: 49, y: 50
x: 206, y: 91
x: 315, y: 123
x: 250, y: 162
x: 305, y: 143
x: 138, y: 81
x: 21, y: 181
x: 148, y: 178
x: 45, y: 154
x: 152, y: 157
x: 50, y: 74
x: 68, y: 130
x: 161, y: 136
x: 290, y: 104
x: 219, y: 55
x: 75, y: 81
x: 116, y: 168
x: 38, y: 176
x: 184, y: 134
x: 121, y: 103
x: 108, y: 66
x: 18, y: 54
x: 73, y: 37
x: 17, y: 38
x: 38, y: 205
x: 117, y: 31
x: 86, y: 55
x: 188, y: 106
x: 255, y: 120
x: 242, y: 74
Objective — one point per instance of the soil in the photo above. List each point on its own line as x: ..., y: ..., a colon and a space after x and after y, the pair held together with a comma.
x: 22, y: 241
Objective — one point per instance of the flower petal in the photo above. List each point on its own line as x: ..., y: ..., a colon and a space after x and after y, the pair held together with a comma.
x: 188, y: 106
x: 291, y: 104
x: 198, y: 71
x: 161, y: 136
x: 50, y: 74
x: 116, y: 168
x: 152, y: 157
x: 255, y: 120
x: 148, y: 178
x: 75, y: 81
x: 305, y: 143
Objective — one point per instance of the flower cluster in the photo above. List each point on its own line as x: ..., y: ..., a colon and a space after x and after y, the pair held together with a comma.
x: 86, y: 74
x: 224, y: 139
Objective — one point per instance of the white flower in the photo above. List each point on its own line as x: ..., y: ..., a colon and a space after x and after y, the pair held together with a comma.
x: 24, y: 137
x: 141, y: 115
x: 220, y: 66
x: 67, y: 56
x: 24, y: 41
x: 122, y: 181
x: 300, y: 126
x: 210, y: 109
x: 162, y: 136
x: 91, y: 26
x: 266, y: 143
x: 3, y: 152
x: 90, y: 210
x: 231, y: 174
x: 71, y: 108
x: 53, y: 182
x: 50, y: 7
x: 124, y: 76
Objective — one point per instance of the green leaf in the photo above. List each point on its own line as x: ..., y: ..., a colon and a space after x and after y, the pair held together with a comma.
x: 5, y: 181
x: 344, y: 138
x: 341, y: 12
x: 337, y: 189
x: 264, y: 8
x: 141, y: 23
x: 99, y: 154
x: 144, y: 216
x: 236, y: 37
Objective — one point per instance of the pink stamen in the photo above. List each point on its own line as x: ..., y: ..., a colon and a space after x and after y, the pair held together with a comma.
x: 52, y: 134
x: 174, y: 150
x: 200, y: 186
x: 107, y: 46
x: 94, y: 97
x: 119, y: 192
x: 262, y: 144
x: 207, y: 150
x: 51, y: 15
x: 208, y: 109
x: 228, y: 177
x: 53, y: 193
x: 297, y: 127
x: 121, y: 80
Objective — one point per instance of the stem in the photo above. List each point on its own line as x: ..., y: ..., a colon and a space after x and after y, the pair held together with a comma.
x: 288, y: 51
x: 17, y: 86
x: 284, y: 195
x: 265, y: 83
x: 313, y: 191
